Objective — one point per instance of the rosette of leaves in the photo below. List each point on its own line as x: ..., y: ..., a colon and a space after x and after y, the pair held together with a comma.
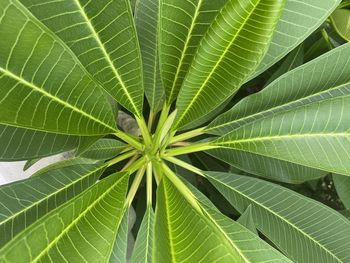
x: 210, y: 174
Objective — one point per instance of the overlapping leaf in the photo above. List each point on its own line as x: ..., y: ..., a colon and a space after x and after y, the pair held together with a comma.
x: 231, y: 50
x: 102, y: 35
x: 342, y: 185
x: 104, y: 149
x: 44, y: 87
x: 299, y: 118
x: 185, y: 234
x: 299, y: 19
x: 23, y: 144
x: 183, y: 25
x: 146, y: 19
x: 305, y: 230
x: 120, y: 247
x: 23, y: 202
x: 82, y: 230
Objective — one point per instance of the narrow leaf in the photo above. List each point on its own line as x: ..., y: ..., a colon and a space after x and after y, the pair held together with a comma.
x: 246, y: 220
x: 44, y: 87
x: 280, y: 213
x: 24, y: 202
x: 55, y: 236
x: 120, y: 248
x: 222, y: 64
x: 102, y: 35
x: 104, y: 149
x: 342, y: 185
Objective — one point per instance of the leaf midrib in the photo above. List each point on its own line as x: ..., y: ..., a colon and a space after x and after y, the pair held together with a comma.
x: 105, y: 53
x: 52, y: 97
x: 76, y: 220
x: 280, y: 217
x: 216, y: 64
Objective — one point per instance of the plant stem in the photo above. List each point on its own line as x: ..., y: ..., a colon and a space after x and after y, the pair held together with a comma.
x: 135, y: 185
x: 187, y: 135
x: 144, y: 130
x: 183, y: 189
x: 130, y: 140
x: 185, y: 165
x: 150, y: 120
x: 122, y: 157
x: 195, y: 147
x: 130, y: 162
x: 136, y: 165
x: 149, y: 183
x: 157, y: 171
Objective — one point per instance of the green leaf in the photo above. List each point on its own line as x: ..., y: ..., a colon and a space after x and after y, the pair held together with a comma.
x: 143, y: 246
x: 104, y: 149
x: 44, y: 87
x: 246, y: 220
x: 54, y: 238
x: 120, y: 248
x: 183, y: 25
x: 342, y: 185
x: 222, y: 64
x: 185, y: 234
x: 24, y: 202
x: 298, y: 21
x: 341, y: 22
x: 290, y: 220
x: 299, y: 118
x: 102, y: 35
x: 23, y: 144
x: 146, y: 19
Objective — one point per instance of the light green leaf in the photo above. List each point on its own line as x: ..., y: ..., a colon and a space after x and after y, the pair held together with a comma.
x: 23, y: 144
x: 246, y: 220
x: 143, y: 246
x: 120, y: 247
x: 342, y: 185
x: 222, y: 64
x: 146, y: 19
x: 290, y: 220
x: 79, y: 221
x: 103, y: 37
x: 341, y: 22
x: 298, y: 21
x: 44, y: 87
x: 24, y: 202
x: 104, y: 149
x: 299, y: 118
x: 184, y: 234
x: 183, y: 25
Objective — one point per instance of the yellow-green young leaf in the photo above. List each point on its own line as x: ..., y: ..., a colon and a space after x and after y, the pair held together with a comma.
x: 342, y: 185
x: 82, y: 230
x: 229, y: 52
x: 24, y: 202
x: 142, y: 252
x: 298, y: 21
x: 146, y: 20
x: 341, y: 23
x: 104, y: 149
x: 300, y: 118
x: 102, y: 35
x: 185, y: 234
x: 303, y: 229
x: 43, y: 85
x: 23, y: 144
x: 182, y: 26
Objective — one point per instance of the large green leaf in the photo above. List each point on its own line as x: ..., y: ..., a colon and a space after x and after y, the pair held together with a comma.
x: 146, y: 19
x: 82, y: 230
x: 305, y: 230
x: 246, y: 220
x: 43, y: 86
x: 23, y: 202
x: 342, y: 185
x: 341, y: 23
x: 142, y: 252
x: 299, y: 118
x: 102, y: 35
x: 23, y: 144
x: 231, y: 50
x: 104, y: 149
x: 185, y: 234
x: 299, y: 19
x: 182, y: 27
x: 120, y: 247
